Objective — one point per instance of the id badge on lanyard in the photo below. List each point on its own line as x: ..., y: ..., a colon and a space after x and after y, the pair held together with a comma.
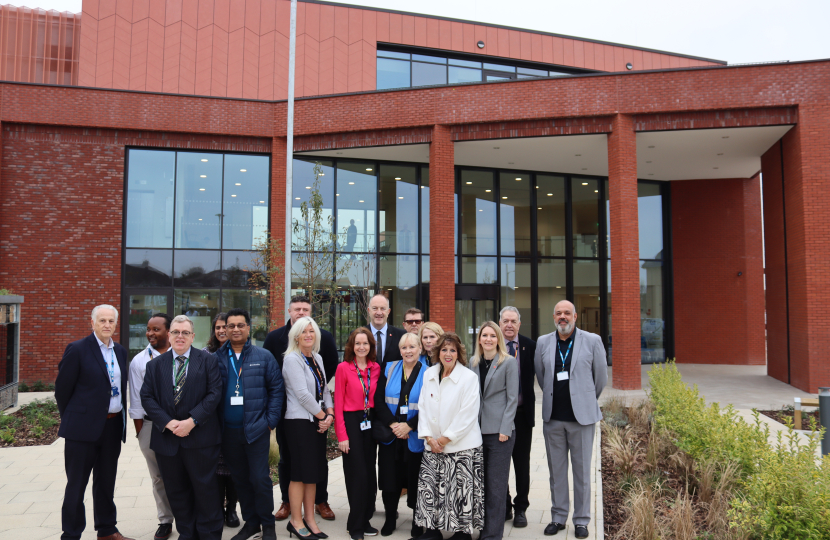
x: 563, y: 375
x: 236, y: 399
x: 366, y: 424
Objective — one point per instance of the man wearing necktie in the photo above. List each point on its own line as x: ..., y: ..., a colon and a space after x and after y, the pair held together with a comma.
x: 91, y: 394
x: 386, y: 336
x: 180, y: 395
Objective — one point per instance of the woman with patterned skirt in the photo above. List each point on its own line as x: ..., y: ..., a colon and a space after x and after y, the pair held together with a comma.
x: 451, y: 481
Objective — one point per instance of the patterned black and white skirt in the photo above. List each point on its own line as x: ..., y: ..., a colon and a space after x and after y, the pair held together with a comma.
x: 451, y: 491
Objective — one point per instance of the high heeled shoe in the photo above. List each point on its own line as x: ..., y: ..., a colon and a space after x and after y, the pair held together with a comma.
x: 292, y: 531
x: 320, y: 534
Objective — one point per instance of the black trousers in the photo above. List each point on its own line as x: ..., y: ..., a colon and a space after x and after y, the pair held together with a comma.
x: 398, y: 468
x: 248, y: 463
x: 521, y: 462
x: 359, y: 472
x: 284, y: 470
x: 101, y: 459
x: 193, y: 491
x: 227, y: 492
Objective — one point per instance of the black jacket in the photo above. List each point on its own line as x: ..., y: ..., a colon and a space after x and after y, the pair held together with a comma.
x: 527, y: 352
x: 202, y: 394
x: 83, y: 388
x: 277, y: 343
x: 392, y: 352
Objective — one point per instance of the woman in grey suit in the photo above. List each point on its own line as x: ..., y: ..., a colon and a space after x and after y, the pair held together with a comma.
x: 498, y: 375
x: 309, y: 413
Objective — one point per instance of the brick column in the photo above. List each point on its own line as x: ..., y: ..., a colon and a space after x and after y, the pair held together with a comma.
x: 442, y: 223
x: 278, y: 154
x: 625, y: 253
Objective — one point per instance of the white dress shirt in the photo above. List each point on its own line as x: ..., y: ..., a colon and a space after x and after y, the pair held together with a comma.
x: 383, y: 333
x: 138, y: 367
x: 450, y: 408
x: 108, y: 352
x: 186, y: 366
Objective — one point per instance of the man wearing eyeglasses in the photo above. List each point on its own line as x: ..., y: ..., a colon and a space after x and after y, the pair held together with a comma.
x: 252, y: 407
x: 180, y: 395
x: 412, y: 320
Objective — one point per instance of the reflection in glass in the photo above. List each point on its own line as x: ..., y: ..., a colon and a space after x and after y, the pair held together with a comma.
x: 254, y: 302
x: 425, y: 210
x: 469, y: 316
x: 550, y: 215
x: 399, y: 282
x: 196, y: 268
x: 142, y: 307
x: 304, y: 179
x: 425, y: 269
x: 148, y: 268
x: 357, y: 271
x: 478, y: 270
x: 356, y: 284
x: 393, y: 73
x: 478, y: 213
x: 608, y: 307
x: 527, y: 72
x: 463, y: 75
x: 198, y: 200
x: 357, y: 188
x: 516, y: 288
x: 237, y: 268
x: 398, y: 209
x: 514, y: 190
x: 586, y: 295
x: 393, y: 54
x: 552, y: 289
x: 650, y: 212
x: 651, y: 312
x: 585, y: 200
x: 201, y: 306
x: 150, y: 198
x: 245, y: 201
x: 428, y: 74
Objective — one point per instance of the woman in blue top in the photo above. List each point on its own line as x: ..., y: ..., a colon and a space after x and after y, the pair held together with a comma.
x: 396, y: 406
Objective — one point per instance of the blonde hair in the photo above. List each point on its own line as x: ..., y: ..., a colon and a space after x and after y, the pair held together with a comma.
x: 435, y: 328
x: 501, y: 346
x: 406, y: 338
x: 297, y: 329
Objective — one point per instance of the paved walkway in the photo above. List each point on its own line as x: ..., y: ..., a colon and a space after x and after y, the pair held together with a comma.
x: 32, y: 479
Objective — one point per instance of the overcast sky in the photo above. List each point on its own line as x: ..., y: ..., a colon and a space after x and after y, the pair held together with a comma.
x: 737, y: 31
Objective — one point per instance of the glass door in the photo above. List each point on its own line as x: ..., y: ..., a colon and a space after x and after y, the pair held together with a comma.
x: 141, y: 305
x: 469, y: 316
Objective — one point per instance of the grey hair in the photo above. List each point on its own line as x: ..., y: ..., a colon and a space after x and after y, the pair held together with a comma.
x: 183, y: 318
x: 104, y: 306
x: 296, y: 330
x: 510, y: 308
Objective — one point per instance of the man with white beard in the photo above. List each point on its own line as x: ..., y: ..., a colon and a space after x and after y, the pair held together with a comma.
x: 571, y: 368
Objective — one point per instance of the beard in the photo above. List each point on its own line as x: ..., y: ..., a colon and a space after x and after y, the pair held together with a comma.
x: 565, y: 330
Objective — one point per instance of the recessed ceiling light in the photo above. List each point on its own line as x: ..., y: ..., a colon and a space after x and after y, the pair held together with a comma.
x: 504, y: 197
x: 201, y: 189
x: 558, y: 287
x: 238, y: 184
x: 351, y: 183
x: 204, y: 161
x: 322, y: 174
x: 202, y: 176
x: 584, y: 183
x: 296, y: 198
x: 488, y: 190
x: 397, y: 178
x: 550, y: 194
x: 308, y: 187
x: 243, y: 170
x: 337, y: 195
x: 233, y: 195
x: 360, y: 201
x: 200, y: 219
x: 518, y: 179
x: 370, y: 170
x: 469, y: 183
x: 422, y: 187
x: 540, y: 208
x: 596, y: 191
x: 481, y: 210
x: 262, y: 202
x: 400, y: 197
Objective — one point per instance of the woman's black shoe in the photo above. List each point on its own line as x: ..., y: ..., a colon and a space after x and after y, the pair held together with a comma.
x: 389, y: 527
x: 368, y: 530
x: 416, y: 531
x: 320, y: 534
x: 461, y: 536
x: 231, y: 519
x: 292, y: 531
x: 356, y: 536
x: 431, y: 534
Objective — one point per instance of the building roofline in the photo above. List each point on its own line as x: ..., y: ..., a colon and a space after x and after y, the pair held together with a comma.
x: 540, y: 32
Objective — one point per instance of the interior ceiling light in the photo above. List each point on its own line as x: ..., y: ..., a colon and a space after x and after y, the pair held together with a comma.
x: 397, y: 178
x: 351, y: 183
x: 243, y: 170
x: 488, y: 190
x: 518, y: 179
x: 296, y: 198
x: 233, y: 195
x: 238, y: 184
x: 540, y: 208
x: 204, y: 161
x: 308, y: 187
x: 550, y: 194
x: 469, y: 183
x: 369, y: 170
x: 400, y: 197
x: 203, y: 176
x: 200, y: 219
x: 201, y: 189
x: 481, y: 210
x: 261, y: 202
x: 584, y: 183
x: 596, y: 191
x: 337, y: 195
x: 360, y: 201
x: 422, y: 187
x: 504, y: 197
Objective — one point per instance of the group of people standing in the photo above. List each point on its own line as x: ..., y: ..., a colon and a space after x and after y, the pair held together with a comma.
x: 412, y: 413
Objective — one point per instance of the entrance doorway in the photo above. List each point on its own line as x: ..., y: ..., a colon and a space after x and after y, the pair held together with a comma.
x: 474, y: 305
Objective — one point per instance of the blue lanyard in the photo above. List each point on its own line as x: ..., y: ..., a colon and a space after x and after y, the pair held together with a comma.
x: 317, y: 382
x: 564, y: 367
x: 111, y: 367
x: 366, y: 388
x: 238, y: 373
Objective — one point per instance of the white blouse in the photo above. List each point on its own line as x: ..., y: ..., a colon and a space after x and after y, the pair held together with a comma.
x: 449, y: 408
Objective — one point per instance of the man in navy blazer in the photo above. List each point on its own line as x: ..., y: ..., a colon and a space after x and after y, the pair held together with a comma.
x: 91, y: 391
x: 386, y: 336
x: 181, y: 392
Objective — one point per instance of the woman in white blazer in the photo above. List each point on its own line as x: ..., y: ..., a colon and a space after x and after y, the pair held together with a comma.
x: 451, y: 483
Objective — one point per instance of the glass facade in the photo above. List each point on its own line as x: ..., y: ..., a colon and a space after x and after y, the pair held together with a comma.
x: 192, y: 219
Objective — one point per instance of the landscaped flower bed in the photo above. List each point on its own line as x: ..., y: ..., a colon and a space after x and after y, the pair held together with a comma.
x: 34, y: 424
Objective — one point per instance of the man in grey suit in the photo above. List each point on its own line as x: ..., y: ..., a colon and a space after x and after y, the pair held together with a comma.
x: 572, y: 369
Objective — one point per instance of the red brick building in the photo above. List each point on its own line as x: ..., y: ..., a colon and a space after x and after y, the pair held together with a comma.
x: 465, y: 166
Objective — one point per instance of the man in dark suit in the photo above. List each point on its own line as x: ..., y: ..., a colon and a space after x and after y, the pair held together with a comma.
x: 386, y: 336
x: 91, y: 391
x: 277, y: 342
x: 524, y: 350
x: 181, y: 391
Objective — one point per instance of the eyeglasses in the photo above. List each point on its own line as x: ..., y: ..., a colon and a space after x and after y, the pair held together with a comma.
x: 176, y: 333
x: 240, y: 326
x: 413, y: 322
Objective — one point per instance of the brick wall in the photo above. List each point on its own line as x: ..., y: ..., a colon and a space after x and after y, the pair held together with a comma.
x: 716, y: 233
x: 441, y: 233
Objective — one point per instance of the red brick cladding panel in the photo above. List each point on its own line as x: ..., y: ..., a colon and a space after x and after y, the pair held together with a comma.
x: 441, y: 249
x: 716, y: 233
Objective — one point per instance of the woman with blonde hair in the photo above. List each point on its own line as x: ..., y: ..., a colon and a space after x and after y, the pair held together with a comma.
x: 427, y: 336
x: 308, y: 414
x: 498, y: 376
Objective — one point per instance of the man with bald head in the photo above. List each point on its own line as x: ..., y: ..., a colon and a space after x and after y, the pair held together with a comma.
x: 571, y: 367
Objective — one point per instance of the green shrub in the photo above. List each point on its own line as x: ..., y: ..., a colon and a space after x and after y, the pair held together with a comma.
x: 23, y: 387
x: 7, y: 435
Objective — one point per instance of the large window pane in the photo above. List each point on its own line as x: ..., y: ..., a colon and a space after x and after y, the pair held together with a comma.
x: 357, y: 189
x: 550, y: 215
x: 148, y: 268
x: 585, y: 205
x: 305, y: 238
x: 463, y: 75
x: 527, y: 72
x: 393, y: 73
x: 393, y: 54
x: 552, y: 288
x: 399, y: 282
x: 254, y: 303
x: 514, y: 190
x: 478, y: 270
x: 651, y: 311
x: 425, y: 269
x: 150, y: 198
x: 201, y: 306
x: 245, y: 201
x: 516, y: 289
x: 196, y: 268
x: 237, y: 268
x: 478, y: 213
x: 356, y: 283
x: 500, y: 67
x: 428, y: 74
x: 398, y: 209
x: 425, y: 210
x: 142, y: 307
x: 586, y: 295
x: 198, y: 200
x: 650, y: 211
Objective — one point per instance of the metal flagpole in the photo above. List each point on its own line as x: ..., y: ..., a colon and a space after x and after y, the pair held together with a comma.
x: 289, y: 153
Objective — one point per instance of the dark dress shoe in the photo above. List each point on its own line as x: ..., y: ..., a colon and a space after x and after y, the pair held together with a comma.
x: 553, y: 528
x: 368, y: 530
x: 389, y: 527
x: 269, y: 532
x: 231, y: 519
x: 163, y: 531
x: 324, y: 511
x: 416, y: 531
x: 581, y: 531
x: 520, y: 520
x: 247, y: 531
x: 509, y: 514
x: 431, y: 534
x: 283, y: 512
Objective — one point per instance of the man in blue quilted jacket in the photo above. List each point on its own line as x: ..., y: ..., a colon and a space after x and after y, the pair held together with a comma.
x: 251, y: 408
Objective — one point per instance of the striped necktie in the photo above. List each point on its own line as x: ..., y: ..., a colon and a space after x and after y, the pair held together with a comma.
x: 181, y: 377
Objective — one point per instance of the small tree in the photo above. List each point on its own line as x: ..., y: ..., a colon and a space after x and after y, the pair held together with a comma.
x: 267, y: 272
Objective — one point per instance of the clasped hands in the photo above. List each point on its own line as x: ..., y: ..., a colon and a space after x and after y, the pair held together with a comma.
x: 437, y: 445
x: 180, y: 428
x: 401, y: 430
